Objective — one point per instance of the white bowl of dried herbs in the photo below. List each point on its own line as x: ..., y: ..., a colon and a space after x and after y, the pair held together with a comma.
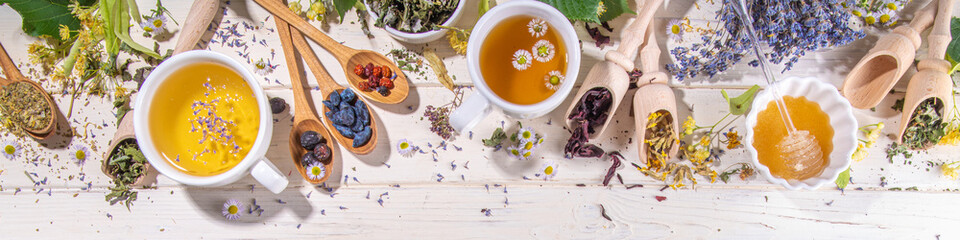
x: 413, y: 21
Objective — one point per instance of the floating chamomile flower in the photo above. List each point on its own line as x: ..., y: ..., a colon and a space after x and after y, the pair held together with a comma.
x: 522, y: 59
x: 405, y: 148
x: 263, y: 68
x: 316, y: 171
x: 675, y: 30
x: 548, y: 170
x: 553, y: 80
x: 537, y: 27
x: 526, y: 135
x: 79, y: 154
x: 543, y: 51
x: 11, y: 149
x: 231, y: 209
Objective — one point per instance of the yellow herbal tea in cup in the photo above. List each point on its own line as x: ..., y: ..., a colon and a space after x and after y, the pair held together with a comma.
x: 204, y: 119
x: 523, y: 60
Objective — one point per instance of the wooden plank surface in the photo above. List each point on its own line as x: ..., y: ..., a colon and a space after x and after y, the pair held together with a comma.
x: 420, y: 205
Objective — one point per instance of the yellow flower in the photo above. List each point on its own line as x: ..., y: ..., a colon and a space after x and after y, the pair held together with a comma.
x: 860, y: 153
x: 688, y: 126
x: 856, y: 13
x: 874, y: 134
x: 316, y: 11
x: 64, y: 32
x: 458, y: 41
x: 705, y: 141
x: 295, y: 7
x: 870, y: 20
x: 601, y: 9
x: 951, y: 170
x: 952, y: 136
x: 733, y: 140
x: 892, y: 6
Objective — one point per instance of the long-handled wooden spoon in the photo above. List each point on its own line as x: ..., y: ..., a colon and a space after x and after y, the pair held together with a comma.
x: 304, y: 119
x: 612, y: 73
x: 877, y: 72
x: 654, y: 94
x: 327, y: 86
x: 201, y: 14
x: 348, y: 57
x: 13, y: 75
x: 932, y: 80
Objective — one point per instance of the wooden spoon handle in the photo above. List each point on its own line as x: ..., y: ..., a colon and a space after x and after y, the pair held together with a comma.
x: 324, y: 81
x: 650, y: 53
x: 302, y: 108
x: 199, y: 17
x: 633, y: 35
x: 940, y: 36
x: 924, y: 17
x: 281, y: 11
x: 9, y: 68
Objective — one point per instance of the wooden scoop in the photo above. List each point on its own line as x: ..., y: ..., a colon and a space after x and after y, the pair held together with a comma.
x: 653, y: 95
x: 877, y: 72
x: 327, y: 85
x: 201, y: 14
x: 611, y: 74
x: 13, y: 75
x: 348, y: 57
x: 932, y: 80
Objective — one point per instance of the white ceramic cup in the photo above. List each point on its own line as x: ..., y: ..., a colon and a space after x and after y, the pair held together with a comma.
x: 478, y: 105
x: 262, y: 169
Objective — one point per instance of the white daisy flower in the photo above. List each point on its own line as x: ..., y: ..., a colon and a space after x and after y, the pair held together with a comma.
x: 540, y: 140
x: 870, y: 18
x: 11, y: 149
x: 316, y: 171
x: 154, y: 25
x: 262, y: 68
x: 529, y: 146
x: 405, y: 148
x: 515, y: 152
x: 888, y: 17
x: 525, y: 154
x: 526, y: 135
x: 675, y: 30
x: 553, y: 80
x: 544, y: 51
x: 231, y: 209
x: 79, y: 154
x: 548, y: 170
x: 537, y: 27
x: 522, y: 59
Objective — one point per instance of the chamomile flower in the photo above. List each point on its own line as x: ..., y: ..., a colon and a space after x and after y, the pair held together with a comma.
x: 675, y: 30
x: 79, y: 154
x: 541, y: 139
x: 316, y: 171
x: 405, y: 148
x: 526, y: 135
x: 11, y: 149
x: 231, y: 209
x: 548, y: 170
x: 263, y: 68
x: 514, y: 151
x: 543, y: 51
x: 522, y: 59
x: 537, y: 27
x: 887, y: 17
x: 870, y: 18
x: 553, y: 80
x: 528, y: 146
x: 525, y: 154
x: 154, y: 25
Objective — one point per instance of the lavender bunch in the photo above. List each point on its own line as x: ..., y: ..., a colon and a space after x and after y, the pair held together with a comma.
x: 789, y: 27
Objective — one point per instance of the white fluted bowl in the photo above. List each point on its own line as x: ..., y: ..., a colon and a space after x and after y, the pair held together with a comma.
x: 841, y: 119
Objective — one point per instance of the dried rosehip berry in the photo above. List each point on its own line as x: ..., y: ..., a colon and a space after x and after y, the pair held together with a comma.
x: 277, y: 105
x: 374, y: 84
x: 365, y: 86
x: 359, y: 71
x: 377, y: 72
x: 386, y: 82
x: 387, y: 72
x: 322, y: 152
x: 310, y: 139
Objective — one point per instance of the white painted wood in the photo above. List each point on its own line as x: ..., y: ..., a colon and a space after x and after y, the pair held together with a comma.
x: 422, y: 207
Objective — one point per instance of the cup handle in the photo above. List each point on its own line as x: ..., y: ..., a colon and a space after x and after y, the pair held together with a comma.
x: 470, y: 112
x: 269, y: 176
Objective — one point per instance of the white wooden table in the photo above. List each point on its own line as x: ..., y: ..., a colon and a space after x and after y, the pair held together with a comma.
x: 417, y: 205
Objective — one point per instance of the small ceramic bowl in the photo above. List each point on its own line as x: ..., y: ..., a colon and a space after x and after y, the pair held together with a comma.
x: 841, y: 119
x: 424, y: 37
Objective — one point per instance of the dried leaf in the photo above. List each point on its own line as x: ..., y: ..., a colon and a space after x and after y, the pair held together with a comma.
x: 438, y: 68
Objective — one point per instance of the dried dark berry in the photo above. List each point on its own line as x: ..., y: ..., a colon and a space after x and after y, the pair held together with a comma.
x: 346, y: 116
x: 277, y: 105
x: 362, y: 137
x: 368, y: 70
x: 357, y: 125
x: 348, y: 96
x: 383, y: 90
x: 334, y: 97
x: 374, y: 84
x: 322, y: 152
x: 310, y: 139
x: 330, y: 105
x: 386, y: 82
x: 308, y: 158
x: 345, y: 131
x: 363, y: 115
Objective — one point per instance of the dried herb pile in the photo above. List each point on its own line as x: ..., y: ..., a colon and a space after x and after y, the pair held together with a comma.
x: 413, y: 16
x: 24, y: 106
x: 926, y: 125
x: 126, y: 165
x: 591, y: 111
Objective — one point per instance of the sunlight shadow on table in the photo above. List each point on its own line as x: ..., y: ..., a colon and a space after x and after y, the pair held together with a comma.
x: 210, y: 200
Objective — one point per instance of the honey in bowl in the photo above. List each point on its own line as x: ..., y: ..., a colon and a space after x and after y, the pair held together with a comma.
x: 204, y: 119
x: 523, y: 60
x: 806, y: 115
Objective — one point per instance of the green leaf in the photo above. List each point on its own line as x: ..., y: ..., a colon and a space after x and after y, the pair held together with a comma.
x: 615, y: 8
x: 44, y: 17
x: 843, y: 179
x: 343, y: 6
x: 953, y: 50
x: 495, y: 139
x: 582, y: 10
x: 741, y: 104
x: 484, y: 7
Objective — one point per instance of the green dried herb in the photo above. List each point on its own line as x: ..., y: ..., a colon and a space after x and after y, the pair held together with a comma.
x: 895, y: 149
x: 897, y: 105
x: 495, y: 139
x: 413, y: 16
x: 25, y: 106
x: 126, y: 165
x: 926, y: 125
x: 744, y: 171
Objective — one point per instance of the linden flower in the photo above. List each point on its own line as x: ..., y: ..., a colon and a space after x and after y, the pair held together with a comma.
x: 262, y: 68
x: 874, y: 134
x: 79, y: 154
x: 526, y: 135
x: 688, y: 126
x: 405, y: 148
x: 860, y: 153
x: 11, y: 149
x: 231, y: 209
x: 675, y: 30
x: 537, y: 27
x: 553, y: 80
x: 733, y: 140
x: 317, y: 10
x: 522, y: 59
x: 952, y: 136
x: 316, y: 171
x: 543, y: 51
x: 548, y: 170
x: 951, y: 170
x: 295, y: 7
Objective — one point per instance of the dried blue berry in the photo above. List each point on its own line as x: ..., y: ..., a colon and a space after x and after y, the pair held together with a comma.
x: 322, y: 152
x: 277, y: 105
x: 345, y: 105
x: 330, y: 105
x: 345, y: 131
x: 384, y: 91
x: 357, y: 125
x: 344, y: 117
x: 348, y: 95
x: 334, y: 98
x: 329, y: 115
x: 363, y: 116
x: 308, y: 158
x: 362, y: 137
x: 310, y: 139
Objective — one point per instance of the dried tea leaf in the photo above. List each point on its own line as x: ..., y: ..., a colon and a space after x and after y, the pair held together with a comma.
x: 438, y: 68
x: 741, y: 104
x: 495, y: 139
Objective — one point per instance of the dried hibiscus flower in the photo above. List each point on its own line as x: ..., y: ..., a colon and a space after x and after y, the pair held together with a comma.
x: 591, y: 111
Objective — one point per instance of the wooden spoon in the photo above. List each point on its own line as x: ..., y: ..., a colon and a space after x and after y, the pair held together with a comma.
x: 200, y: 15
x: 654, y: 94
x: 327, y: 86
x: 877, y: 72
x: 932, y: 80
x: 13, y: 75
x: 348, y: 57
x: 304, y: 119
x: 612, y: 73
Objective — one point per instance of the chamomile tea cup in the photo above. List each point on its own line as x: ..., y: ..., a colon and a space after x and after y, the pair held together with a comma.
x: 523, y: 57
x: 202, y: 119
